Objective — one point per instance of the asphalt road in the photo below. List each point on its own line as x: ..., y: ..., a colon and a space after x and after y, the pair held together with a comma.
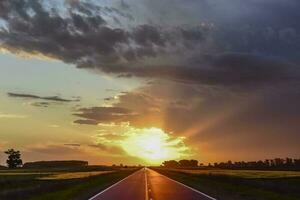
x: 147, y: 184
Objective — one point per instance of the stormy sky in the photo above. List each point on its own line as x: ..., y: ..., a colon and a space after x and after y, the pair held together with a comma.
x: 222, y: 75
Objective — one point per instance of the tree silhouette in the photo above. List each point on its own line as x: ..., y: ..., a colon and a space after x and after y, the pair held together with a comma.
x: 170, y: 163
x: 268, y: 164
x: 14, y: 158
x: 181, y: 163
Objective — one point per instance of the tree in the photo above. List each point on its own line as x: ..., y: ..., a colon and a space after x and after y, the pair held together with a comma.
x: 188, y: 163
x: 170, y: 163
x: 14, y: 158
x: 184, y: 163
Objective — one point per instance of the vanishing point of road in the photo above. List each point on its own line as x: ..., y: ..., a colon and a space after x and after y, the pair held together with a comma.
x: 147, y: 184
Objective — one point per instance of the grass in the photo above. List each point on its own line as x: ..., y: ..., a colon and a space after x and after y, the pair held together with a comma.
x: 240, y: 184
x: 60, y: 169
x: 73, y: 175
x: 58, y: 184
x: 243, y: 173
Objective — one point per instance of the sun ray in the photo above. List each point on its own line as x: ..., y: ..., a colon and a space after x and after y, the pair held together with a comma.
x: 153, y: 145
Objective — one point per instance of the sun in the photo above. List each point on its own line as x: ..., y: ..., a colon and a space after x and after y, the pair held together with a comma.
x: 153, y: 145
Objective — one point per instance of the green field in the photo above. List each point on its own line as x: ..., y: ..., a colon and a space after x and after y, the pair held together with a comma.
x: 58, y: 184
x: 240, y: 184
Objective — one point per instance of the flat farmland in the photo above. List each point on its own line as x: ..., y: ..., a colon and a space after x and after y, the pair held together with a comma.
x: 72, y: 183
x: 239, y: 184
x: 242, y: 173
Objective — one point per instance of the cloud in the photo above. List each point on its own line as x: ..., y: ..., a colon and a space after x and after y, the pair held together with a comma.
x: 154, y: 145
x: 229, y: 71
x: 148, y: 144
x: 216, y: 119
x: 53, y: 149
x: 12, y: 116
x: 207, y: 52
x: 71, y: 149
x: 113, y: 150
x: 97, y: 115
x: 87, y: 122
x: 224, y: 69
x: 138, y: 108
x: 73, y: 144
x: 41, y: 104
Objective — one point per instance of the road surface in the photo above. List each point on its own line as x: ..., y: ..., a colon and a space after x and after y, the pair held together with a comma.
x: 147, y: 184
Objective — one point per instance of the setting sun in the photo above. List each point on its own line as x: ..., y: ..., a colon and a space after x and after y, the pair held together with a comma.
x: 153, y: 145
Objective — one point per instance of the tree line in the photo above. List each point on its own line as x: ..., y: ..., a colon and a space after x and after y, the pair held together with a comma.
x: 56, y: 163
x: 14, y: 161
x: 272, y: 164
x: 268, y: 164
x: 180, y: 163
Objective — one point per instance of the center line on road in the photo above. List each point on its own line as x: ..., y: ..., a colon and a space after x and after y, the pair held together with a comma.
x: 146, y: 185
x: 95, y: 196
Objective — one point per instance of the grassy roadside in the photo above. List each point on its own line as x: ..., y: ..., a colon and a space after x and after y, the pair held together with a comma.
x: 227, y: 187
x: 31, y: 187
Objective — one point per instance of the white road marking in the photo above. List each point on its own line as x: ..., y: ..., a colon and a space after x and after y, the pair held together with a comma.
x: 188, y: 187
x: 93, y: 197
x: 146, y: 185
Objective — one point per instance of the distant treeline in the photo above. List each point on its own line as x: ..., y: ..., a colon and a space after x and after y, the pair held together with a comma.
x: 55, y: 164
x: 268, y: 164
x: 272, y: 164
x: 181, y: 163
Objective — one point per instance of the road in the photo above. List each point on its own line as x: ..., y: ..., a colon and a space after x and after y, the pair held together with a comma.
x: 147, y: 184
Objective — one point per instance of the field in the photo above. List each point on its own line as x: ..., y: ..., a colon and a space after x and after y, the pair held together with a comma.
x: 73, y: 175
x: 71, y: 183
x: 242, y: 173
x: 240, y: 184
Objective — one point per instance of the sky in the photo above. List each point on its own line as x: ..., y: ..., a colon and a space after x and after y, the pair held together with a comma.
x: 143, y: 81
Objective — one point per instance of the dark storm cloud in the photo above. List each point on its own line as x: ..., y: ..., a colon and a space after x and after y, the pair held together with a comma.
x: 223, y: 69
x: 50, y: 98
x: 147, y: 35
x: 210, y: 53
x: 125, y: 5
